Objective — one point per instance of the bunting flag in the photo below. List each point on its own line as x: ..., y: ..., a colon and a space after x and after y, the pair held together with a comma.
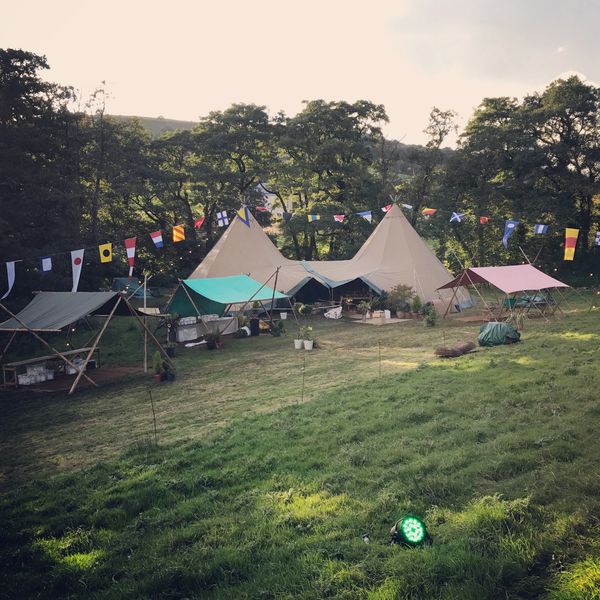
x: 105, y: 251
x: 178, y: 233
x: 540, y: 229
x: 429, y: 212
x: 199, y: 222
x: 10, y: 276
x: 571, y: 236
x: 287, y: 216
x: 483, y: 220
x: 598, y: 238
x: 366, y: 214
x: 76, y: 265
x: 222, y: 218
x: 456, y: 217
x: 46, y: 264
x: 408, y: 206
x: 387, y: 208
x: 339, y: 218
x: 244, y: 215
x: 262, y: 209
x: 130, y: 247
x: 157, y: 238
x: 509, y: 227
x: 312, y: 218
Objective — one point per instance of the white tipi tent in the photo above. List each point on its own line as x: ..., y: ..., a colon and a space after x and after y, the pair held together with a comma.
x: 393, y: 254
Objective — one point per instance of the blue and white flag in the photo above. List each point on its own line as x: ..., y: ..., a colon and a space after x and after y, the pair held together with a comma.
x: 46, y: 264
x: 540, y: 228
x: 222, y: 218
x: 598, y: 238
x: 10, y: 276
x: 408, y: 206
x: 366, y: 214
x: 509, y: 227
x: 456, y: 217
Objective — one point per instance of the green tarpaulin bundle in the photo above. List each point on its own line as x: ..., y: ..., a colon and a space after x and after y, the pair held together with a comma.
x: 496, y: 334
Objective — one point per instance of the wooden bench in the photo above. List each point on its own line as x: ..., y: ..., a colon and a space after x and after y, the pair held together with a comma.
x: 10, y: 371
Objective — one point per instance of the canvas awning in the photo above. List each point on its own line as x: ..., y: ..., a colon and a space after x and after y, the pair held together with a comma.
x: 213, y: 295
x: 509, y: 279
x: 52, y: 311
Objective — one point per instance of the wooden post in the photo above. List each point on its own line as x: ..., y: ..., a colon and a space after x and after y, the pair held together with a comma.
x: 145, y: 328
x: 93, y: 348
x: 41, y: 339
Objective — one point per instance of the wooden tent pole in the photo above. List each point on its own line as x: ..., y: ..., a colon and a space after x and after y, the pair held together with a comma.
x: 41, y: 339
x: 95, y: 345
x: 181, y: 284
x: 152, y: 336
x: 10, y: 341
x: 274, y: 292
x: 145, y: 328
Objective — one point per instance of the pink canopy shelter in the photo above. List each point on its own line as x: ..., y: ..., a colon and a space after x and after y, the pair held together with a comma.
x: 509, y: 279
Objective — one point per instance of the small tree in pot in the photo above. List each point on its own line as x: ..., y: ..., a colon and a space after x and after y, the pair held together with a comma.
x: 213, y: 339
x: 399, y: 298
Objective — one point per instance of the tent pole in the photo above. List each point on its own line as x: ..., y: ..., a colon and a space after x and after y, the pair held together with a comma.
x: 41, y: 339
x: 152, y: 336
x: 274, y: 291
x: 189, y: 298
x: 93, y: 348
x: 10, y: 341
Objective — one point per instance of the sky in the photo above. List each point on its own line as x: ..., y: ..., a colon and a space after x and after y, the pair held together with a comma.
x: 182, y: 59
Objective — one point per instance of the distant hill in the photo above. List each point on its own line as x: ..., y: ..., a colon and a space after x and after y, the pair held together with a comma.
x: 158, y: 125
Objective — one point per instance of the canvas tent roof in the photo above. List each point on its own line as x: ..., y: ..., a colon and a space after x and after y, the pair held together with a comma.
x: 394, y: 253
x: 509, y: 279
x: 51, y: 311
x: 213, y: 295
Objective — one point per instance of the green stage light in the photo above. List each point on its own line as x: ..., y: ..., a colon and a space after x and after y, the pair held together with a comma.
x: 410, y: 531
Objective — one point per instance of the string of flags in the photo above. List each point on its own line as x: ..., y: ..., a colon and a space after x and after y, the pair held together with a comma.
x: 105, y: 250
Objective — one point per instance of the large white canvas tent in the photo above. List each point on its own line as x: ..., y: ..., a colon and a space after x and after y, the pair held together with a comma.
x: 393, y: 254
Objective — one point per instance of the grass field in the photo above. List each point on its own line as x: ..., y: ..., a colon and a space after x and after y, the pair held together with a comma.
x: 260, y: 489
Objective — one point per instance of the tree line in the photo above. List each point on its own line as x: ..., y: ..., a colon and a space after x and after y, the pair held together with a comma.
x: 72, y: 176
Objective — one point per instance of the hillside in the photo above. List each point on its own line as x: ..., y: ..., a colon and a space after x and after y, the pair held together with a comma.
x: 158, y: 125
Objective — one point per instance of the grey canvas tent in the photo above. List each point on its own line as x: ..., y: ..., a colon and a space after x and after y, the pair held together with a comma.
x: 52, y: 312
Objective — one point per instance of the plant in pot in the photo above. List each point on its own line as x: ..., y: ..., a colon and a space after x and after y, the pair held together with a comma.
x: 213, y: 339
x: 299, y: 339
x: 399, y: 298
x: 157, y: 366
x: 308, y: 338
x: 416, y: 306
x: 364, y: 308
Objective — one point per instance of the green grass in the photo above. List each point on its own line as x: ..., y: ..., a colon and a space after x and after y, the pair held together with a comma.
x: 252, y: 493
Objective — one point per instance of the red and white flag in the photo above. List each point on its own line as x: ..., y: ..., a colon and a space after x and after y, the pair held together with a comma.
x: 76, y: 264
x: 339, y: 218
x: 198, y: 222
x: 130, y: 247
x: 387, y: 208
x: 262, y: 209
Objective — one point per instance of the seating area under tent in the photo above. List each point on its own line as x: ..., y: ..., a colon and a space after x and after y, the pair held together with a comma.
x: 524, y: 290
x: 52, y: 313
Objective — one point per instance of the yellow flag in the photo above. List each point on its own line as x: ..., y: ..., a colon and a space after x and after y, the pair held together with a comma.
x: 105, y: 252
x: 571, y: 236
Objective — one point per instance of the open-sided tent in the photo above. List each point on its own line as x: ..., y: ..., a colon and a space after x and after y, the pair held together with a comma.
x: 511, y: 280
x: 52, y: 312
x: 393, y: 254
x: 215, y: 295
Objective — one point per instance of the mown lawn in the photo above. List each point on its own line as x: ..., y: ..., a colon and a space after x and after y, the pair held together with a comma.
x: 255, y: 491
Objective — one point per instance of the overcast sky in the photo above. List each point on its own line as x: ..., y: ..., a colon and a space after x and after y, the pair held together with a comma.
x: 182, y: 59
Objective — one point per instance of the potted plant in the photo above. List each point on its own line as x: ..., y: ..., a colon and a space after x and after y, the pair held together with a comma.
x: 364, y: 308
x: 157, y: 367
x: 399, y: 298
x: 416, y: 306
x: 169, y: 373
x: 299, y: 339
x: 429, y: 314
x: 308, y: 338
x: 213, y: 339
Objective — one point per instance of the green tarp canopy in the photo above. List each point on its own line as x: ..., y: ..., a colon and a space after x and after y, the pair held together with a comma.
x: 52, y: 311
x: 212, y: 296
